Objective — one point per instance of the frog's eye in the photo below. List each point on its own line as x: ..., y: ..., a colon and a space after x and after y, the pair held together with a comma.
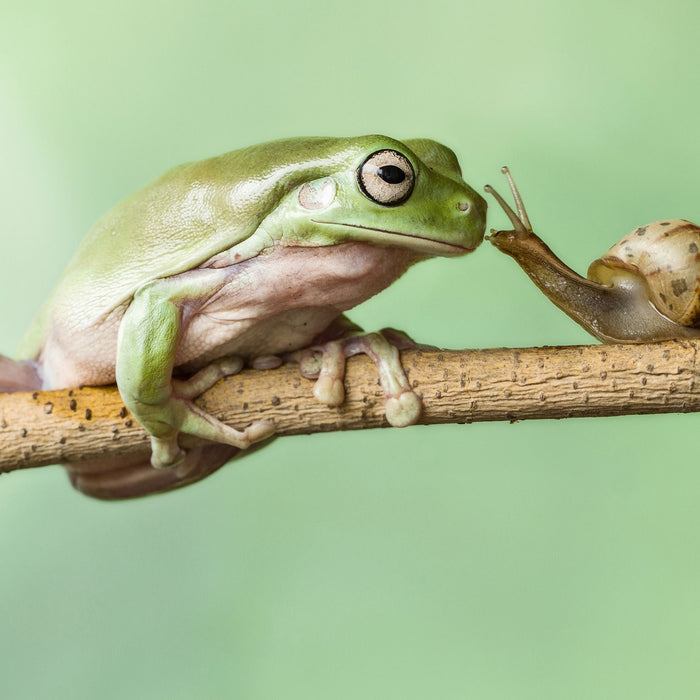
x: 386, y: 177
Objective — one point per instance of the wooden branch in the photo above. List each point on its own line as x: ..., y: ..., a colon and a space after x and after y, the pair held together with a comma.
x: 464, y: 386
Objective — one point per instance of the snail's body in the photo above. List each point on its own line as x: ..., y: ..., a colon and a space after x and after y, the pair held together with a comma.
x: 645, y: 288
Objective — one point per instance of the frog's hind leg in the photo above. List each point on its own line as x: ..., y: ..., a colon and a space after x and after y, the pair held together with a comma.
x: 18, y: 376
x: 121, y: 478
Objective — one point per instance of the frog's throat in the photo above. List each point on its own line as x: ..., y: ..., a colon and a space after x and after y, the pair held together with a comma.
x: 433, y: 246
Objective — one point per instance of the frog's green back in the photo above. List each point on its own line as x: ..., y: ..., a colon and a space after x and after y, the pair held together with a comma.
x: 191, y: 213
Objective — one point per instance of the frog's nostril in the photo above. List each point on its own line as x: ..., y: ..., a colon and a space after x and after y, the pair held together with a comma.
x: 463, y: 206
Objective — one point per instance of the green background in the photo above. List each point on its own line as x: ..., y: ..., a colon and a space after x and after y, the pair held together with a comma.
x: 537, y: 560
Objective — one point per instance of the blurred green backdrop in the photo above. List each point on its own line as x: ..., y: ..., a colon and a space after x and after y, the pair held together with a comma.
x: 543, y: 559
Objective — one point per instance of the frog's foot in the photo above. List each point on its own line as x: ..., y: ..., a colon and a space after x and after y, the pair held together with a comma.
x: 403, y: 341
x: 326, y: 363
x: 117, y: 478
x: 180, y: 414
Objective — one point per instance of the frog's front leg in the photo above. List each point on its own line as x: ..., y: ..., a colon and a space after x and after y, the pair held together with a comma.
x: 149, y: 335
x: 325, y: 361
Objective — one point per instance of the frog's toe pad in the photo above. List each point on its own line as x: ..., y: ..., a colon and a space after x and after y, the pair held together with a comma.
x: 404, y: 409
x: 266, y: 362
x: 329, y: 390
x: 260, y: 430
x: 310, y: 363
x: 166, y: 454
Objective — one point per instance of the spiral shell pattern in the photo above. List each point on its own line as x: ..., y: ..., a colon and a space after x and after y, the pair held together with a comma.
x: 666, y: 255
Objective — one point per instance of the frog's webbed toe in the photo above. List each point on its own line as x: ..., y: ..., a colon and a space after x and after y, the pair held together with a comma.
x: 180, y: 414
x: 188, y: 418
x: 326, y: 364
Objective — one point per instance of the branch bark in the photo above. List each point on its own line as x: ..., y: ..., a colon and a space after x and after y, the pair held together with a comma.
x: 465, y: 386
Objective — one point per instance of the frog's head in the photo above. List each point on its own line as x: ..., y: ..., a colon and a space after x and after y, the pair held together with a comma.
x: 385, y: 192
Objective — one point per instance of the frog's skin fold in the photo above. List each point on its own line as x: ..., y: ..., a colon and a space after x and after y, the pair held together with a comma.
x: 247, y: 258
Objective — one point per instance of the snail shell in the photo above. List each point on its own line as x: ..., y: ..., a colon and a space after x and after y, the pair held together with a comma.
x: 666, y: 255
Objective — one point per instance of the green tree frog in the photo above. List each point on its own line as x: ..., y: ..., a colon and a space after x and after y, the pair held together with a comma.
x: 245, y: 258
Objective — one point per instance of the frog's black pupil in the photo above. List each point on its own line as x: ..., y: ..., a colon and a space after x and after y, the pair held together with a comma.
x: 391, y: 174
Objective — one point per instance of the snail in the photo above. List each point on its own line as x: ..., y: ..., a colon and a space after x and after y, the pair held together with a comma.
x: 645, y: 288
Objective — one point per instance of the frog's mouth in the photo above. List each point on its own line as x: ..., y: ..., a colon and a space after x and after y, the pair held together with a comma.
x: 421, y: 243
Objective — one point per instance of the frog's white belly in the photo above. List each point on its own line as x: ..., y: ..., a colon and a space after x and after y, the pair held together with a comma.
x: 274, y: 303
